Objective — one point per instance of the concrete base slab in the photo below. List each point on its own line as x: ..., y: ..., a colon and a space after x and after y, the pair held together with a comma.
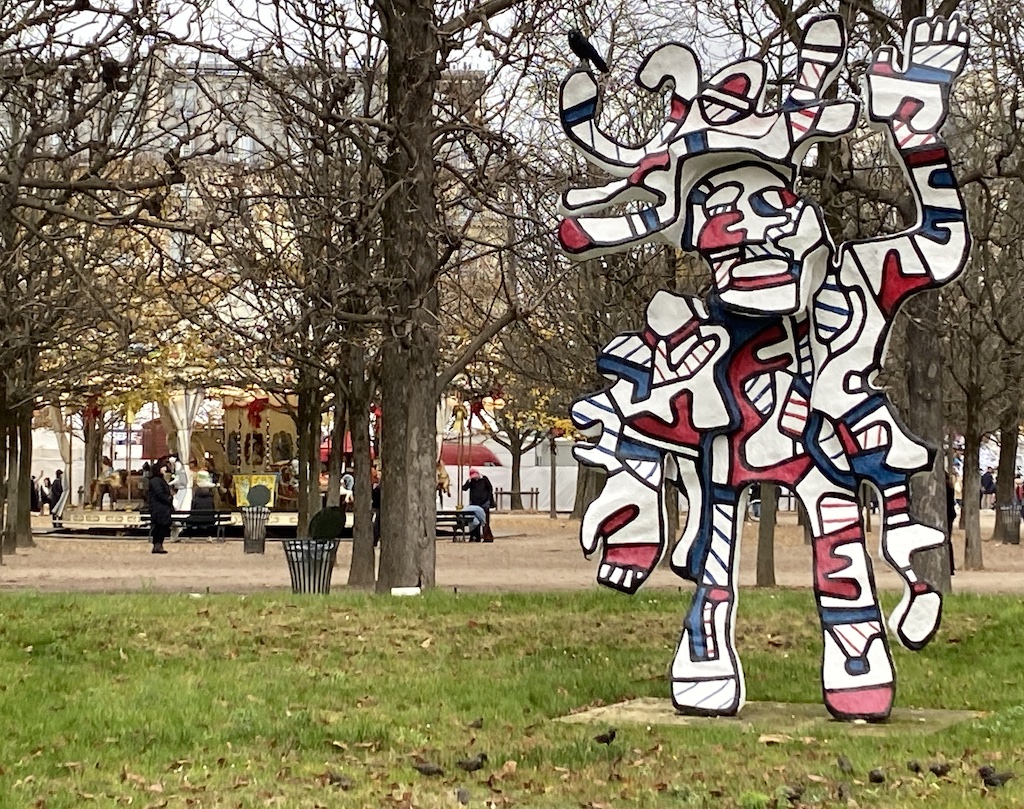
x: 779, y: 718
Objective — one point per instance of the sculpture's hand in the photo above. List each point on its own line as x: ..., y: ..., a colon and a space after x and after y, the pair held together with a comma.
x: 915, y: 93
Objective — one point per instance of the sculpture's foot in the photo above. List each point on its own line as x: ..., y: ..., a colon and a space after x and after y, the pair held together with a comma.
x: 915, y: 620
x: 626, y: 567
x: 715, y: 697
x: 707, y: 679
x: 857, y: 684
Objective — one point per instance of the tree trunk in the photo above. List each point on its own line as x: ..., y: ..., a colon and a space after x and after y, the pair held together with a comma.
x: 924, y: 418
x: 362, y: 570
x: 23, y: 526
x: 408, y: 476
x: 307, y: 425
x: 864, y: 493
x: 553, y: 482
x: 1007, y: 511
x: 92, y: 433
x: 589, y: 483
x: 516, y: 448
x: 972, y: 488
x: 11, y: 518
x: 4, y: 460
x: 409, y: 250
x: 766, y: 535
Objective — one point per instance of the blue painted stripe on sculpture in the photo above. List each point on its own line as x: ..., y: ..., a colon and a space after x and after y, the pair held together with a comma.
x: 871, y: 465
x: 827, y: 307
x: 935, y: 218
x: 581, y: 112
x: 836, y: 616
x: 696, y: 142
x: 695, y: 624
x: 942, y: 178
x: 724, y: 494
x: 638, y: 375
x: 929, y: 74
x: 637, y: 452
x: 866, y: 408
x: 649, y: 217
x: 715, y: 693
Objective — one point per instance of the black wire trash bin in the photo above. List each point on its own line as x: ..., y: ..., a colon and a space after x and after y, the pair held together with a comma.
x: 310, y: 564
x: 1009, y: 521
x: 254, y: 528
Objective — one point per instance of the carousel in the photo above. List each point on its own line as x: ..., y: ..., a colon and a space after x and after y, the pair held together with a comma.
x: 254, y: 444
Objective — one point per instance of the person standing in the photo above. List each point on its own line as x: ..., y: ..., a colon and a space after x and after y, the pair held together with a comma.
x: 988, y: 488
x: 56, y: 492
x: 44, y: 494
x: 33, y: 494
x: 375, y: 503
x: 161, y: 506
x: 481, y: 493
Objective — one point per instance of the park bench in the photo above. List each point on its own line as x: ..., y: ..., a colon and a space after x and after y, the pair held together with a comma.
x: 453, y: 523
x: 188, y: 520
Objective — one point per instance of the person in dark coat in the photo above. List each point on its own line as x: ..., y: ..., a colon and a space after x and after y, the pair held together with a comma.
x: 950, y: 519
x: 481, y: 493
x: 375, y: 504
x: 33, y: 494
x: 161, y: 506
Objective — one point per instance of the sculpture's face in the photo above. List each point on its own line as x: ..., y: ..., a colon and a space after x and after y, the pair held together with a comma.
x: 758, y: 237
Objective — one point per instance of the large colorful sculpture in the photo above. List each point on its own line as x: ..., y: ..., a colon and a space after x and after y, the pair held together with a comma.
x: 771, y: 379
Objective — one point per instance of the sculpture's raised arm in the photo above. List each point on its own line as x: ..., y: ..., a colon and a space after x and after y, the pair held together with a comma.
x: 908, y: 98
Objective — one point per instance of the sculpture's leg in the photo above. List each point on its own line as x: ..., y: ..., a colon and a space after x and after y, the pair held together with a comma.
x: 915, y: 620
x: 883, y: 452
x: 857, y: 676
x: 707, y: 679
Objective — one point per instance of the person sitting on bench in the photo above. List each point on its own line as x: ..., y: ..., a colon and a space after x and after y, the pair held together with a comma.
x: 481, y: 494
x: 479, y: 519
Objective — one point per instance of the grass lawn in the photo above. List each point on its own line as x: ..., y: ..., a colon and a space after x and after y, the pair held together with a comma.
x: 229, y: 701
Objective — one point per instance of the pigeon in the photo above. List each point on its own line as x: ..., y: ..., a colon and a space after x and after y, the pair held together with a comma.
x: 940, y: 768
x: 476, y: 724
x: 472, y: 764
x: 997, y: 779
x: 985, y: 770
x: 845, y: 765
x: 914, y: 766
x: 606, y: 738
x: 336, y: 779
x: 427, y: 768
x: 462, y: 795
x: 876, y: 777
x: 585, y: 51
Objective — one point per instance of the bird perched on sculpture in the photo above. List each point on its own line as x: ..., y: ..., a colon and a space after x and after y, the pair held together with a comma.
x: 585, y: 51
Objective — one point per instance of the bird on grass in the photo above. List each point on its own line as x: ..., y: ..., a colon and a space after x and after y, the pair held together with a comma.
x: 914, y: 766
x: 845, y: 765
x: 994, y: 780
x: 472, y: 764
x: 940, y: 768
x: 476, y: 724
x: 876, y: 777
x: 607, y: 737
x: 427, y: 768
x: 585, y: 51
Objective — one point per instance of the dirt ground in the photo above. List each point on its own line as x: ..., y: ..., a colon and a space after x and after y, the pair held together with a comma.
x: 531, y: 552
